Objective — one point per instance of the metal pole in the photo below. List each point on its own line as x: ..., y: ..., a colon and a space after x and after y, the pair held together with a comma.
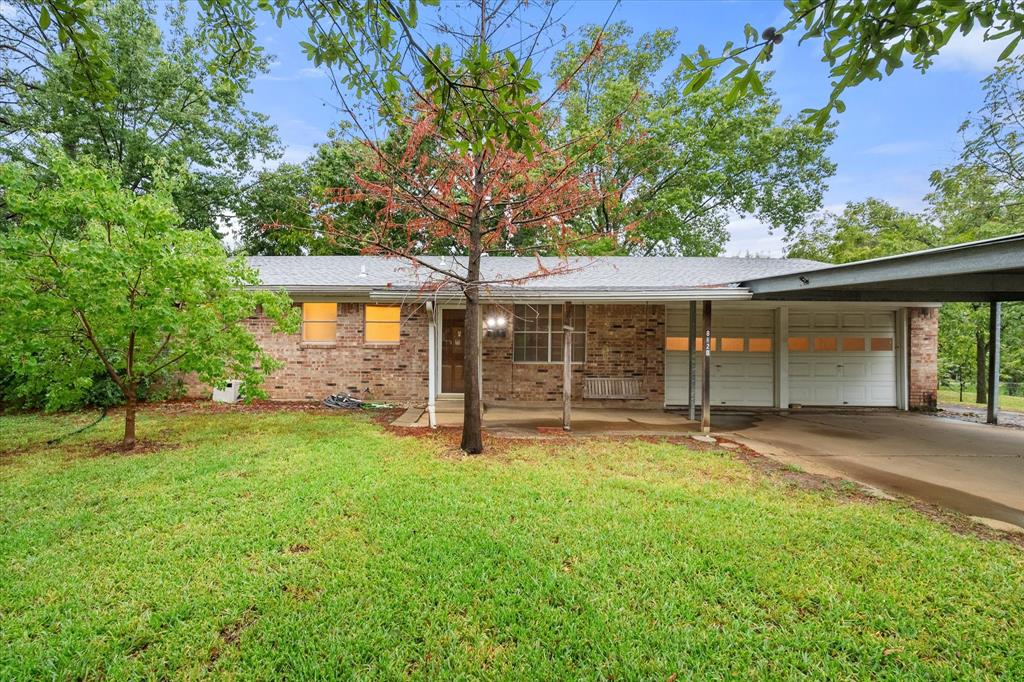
x: 692, y: 345
x: 567, y: 366
x: 705, y: 388
x: 994, y: 332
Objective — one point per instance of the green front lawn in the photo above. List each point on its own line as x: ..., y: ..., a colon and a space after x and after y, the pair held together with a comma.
x: 266, y: 545
x: 1013, y: 403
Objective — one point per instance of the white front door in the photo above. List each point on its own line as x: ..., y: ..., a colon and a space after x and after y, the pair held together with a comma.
x: 842, y: 358
x: 742, y: 355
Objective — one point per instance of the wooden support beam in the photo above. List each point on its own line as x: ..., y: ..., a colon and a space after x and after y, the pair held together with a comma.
x: 705, y: 388
x: 994, y: 341
x: 567, y: 366
x: 692, y: 345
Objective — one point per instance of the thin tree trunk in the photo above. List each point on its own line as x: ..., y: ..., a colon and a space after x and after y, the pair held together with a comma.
x: 472, y: 419
x: 129, y: 420
x: 981, y: 392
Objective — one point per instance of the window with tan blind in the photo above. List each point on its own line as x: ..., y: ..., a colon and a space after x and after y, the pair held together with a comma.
x: 320, y: 322
x: 383, y: 323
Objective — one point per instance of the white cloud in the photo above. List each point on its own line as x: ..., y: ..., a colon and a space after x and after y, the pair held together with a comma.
x: 748, y: 236
x: 899, y: 148
x: 971, y: 52
x: 8, y: 10
x: 301, y: 74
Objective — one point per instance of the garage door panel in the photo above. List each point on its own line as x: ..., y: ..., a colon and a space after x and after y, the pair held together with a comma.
x: 854, y: 320
x: 853, y: 374
x: 825, y: 369
x: 738, y: 377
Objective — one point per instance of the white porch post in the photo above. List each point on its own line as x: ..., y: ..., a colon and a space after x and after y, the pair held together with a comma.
x: 782, y: 358
x: 705, y: 389
x: 902, y: 361
x: 431, y: 366
x: 691, y: 346
x: 567, y: 366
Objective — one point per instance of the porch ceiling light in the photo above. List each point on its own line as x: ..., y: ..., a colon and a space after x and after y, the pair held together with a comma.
x: 495, y: 326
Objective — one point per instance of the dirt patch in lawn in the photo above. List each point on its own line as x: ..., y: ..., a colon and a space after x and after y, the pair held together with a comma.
x: 231, y: 633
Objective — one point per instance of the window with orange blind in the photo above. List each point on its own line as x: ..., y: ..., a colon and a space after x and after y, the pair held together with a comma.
x: 320, y: 322
x: 383, y: 323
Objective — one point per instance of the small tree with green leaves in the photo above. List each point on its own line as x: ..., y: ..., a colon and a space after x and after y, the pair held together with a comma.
x: 94, y: 279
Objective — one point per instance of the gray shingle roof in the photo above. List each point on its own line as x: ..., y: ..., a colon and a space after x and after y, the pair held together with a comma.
x: 601, y: 273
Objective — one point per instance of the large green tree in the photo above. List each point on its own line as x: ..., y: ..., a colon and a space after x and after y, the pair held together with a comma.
x: 168, y: 100
x: 675, y: 166
x: 867, y: 229
x: 95, y: 279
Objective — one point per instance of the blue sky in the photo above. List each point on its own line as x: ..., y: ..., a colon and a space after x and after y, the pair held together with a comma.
x: 893, y: 134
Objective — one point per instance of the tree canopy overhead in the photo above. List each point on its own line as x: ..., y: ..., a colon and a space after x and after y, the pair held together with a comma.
x: 859, y: 39
x: 172, y: 103
x: 675, y: 166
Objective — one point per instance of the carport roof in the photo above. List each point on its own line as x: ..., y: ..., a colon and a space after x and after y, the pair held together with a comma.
x: 986, y: 270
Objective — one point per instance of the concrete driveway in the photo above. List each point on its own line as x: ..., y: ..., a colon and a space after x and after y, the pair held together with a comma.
x: 976, y: 469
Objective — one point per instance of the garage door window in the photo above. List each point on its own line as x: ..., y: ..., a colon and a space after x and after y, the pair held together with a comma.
x: 677, y: 343
x: 731, y: 344
x: 881, y: 344
x: 825, y: 343
x: 799, y: 344
x: 759, y: 345
x: 853, y: 344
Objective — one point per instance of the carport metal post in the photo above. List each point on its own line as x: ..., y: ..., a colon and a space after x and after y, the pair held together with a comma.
x: 692, y: 352
x: 705, y: 388
x: 994, y: 324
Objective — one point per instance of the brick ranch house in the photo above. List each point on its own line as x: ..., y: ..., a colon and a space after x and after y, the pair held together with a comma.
x: 371, y: 329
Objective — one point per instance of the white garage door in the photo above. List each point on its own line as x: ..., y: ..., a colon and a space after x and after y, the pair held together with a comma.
x: 842, y: 358
x: 742, y: 355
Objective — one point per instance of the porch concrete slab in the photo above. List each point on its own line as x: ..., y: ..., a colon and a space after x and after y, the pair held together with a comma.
x: 976, y: 469
x: 513, y: 420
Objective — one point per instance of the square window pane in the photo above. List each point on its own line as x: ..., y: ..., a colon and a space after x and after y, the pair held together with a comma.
x: 798, y: 343
x: 382, y: 332
x: 319, y: 312
x: 825, y: 343
x: 731, y: 344
x: 759, y: 345
x: 677, y: 343
x: 881, y: 344
x: 853, y: 344
x: 319, y: 331
x: 383, y: 313
x: 579, y: 346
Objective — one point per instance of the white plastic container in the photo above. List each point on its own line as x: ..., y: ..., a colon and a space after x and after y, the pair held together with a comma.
x: 231, y: 393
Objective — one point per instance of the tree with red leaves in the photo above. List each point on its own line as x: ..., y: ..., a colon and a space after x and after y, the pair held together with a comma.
x: 431, y: 191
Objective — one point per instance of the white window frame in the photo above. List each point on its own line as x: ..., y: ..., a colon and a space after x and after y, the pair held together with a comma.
x: 549, y: 333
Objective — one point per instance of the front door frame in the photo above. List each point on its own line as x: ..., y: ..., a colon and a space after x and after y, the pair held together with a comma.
x: 439, y: 345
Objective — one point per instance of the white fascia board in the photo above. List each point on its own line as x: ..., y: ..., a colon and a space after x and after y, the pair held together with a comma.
x: 583, y: 296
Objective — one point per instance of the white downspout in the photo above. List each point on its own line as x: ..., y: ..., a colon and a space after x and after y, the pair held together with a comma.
x: 431, y: 366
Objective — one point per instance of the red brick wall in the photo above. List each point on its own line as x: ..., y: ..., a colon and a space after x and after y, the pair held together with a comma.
x: 923, y: 357
x: 394, y: 372
x: 622, y: 341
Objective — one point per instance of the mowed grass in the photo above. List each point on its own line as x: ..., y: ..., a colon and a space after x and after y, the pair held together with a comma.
x: 1013, y: 403
x: 319, y: 546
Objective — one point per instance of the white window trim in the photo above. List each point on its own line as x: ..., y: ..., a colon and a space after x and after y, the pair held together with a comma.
x: 549, y: 334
